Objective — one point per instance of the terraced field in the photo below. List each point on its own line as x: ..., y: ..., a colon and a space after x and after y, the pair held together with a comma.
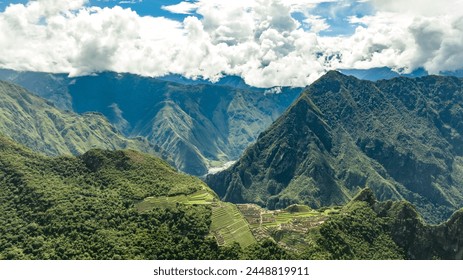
x: 248, y: 223
x: 201, y: 197
x: 288, y: 227
x: 228, y: 224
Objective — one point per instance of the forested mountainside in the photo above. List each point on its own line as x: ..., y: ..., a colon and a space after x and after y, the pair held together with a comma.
x: 368, y: 229
x: 87, y: 207
x: 400, y: 137
x: 127, y: 205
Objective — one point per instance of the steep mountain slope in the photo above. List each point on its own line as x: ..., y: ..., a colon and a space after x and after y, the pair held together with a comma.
x: 201, y: 125
x: 401, y: 137
x: 84, y: 208
x: 52, y: 87
x: 34, y: 122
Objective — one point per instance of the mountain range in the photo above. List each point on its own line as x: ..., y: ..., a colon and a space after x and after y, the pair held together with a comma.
x: 199, y: 124
x: 383, y: 73
x: 36, y: 123
x: 400, y: 137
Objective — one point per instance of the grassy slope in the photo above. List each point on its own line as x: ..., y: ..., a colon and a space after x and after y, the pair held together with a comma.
x: 34, y: 122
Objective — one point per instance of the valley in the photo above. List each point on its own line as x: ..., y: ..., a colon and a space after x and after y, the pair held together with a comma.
x: 200, y: 125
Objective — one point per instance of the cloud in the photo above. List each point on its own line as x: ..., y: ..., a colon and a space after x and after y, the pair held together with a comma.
x: 316, y: 24
x: 129, y: 2
x: 185, y: 8
x: 259, y: 40
x: 429, y: 8
x: 404, y: 37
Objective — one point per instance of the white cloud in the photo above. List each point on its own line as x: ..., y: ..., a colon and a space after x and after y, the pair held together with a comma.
x: 430, y: 8
x: 274, y: 90
x: 316, y: 24
x: 129, y: 1
x: 185, y: 8
x: 405, y: 37
x: 256, y: 39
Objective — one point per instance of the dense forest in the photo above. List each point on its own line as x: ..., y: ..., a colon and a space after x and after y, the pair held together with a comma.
x: 84, y: 208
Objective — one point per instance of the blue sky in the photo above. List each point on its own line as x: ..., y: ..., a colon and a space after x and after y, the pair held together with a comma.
x: 336, y: 13
x: 143, y: 8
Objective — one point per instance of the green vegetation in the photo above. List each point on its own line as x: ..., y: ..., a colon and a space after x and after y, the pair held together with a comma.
x: 357, y: 233
x: 126, y: 205
x: 37, y: 124
x: 83, y: 208
x: 368, y: 229
x: 362, y: 229
x: 228, y: 225
x: 200, y: 126
x: 111, y: 205
x: 401, y: 137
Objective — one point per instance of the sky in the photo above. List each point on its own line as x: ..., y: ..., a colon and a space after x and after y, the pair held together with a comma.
x: 266, y: 42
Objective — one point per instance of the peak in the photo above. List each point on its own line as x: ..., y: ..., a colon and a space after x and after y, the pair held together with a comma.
x: 332, y: 81
x: 333, y: 74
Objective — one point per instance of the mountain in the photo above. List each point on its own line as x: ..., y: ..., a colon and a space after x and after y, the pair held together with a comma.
x: 368, y: 229
x: 383, y: 73
x: 36, y: 123
x: 229, y: 81
x: 400, y: 137
x: 202, y: 126
x: 84, y: 208
x: 52, y: 87
x: 114, y: 205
